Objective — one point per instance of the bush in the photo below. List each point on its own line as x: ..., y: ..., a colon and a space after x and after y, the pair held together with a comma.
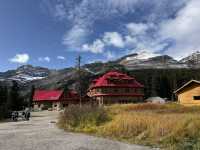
x: 85, y: 118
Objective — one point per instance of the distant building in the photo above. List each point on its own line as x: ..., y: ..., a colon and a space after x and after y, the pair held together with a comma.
x: 115, y: 87
x: 54, y: 99
x: 189, y: 93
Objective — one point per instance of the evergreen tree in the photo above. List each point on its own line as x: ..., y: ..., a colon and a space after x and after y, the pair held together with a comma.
x: 15, y: 101
x: 30, y: 103
x: 3, y: 95
x: 3, y: 102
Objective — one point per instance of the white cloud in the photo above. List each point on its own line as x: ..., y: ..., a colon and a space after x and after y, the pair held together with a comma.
x: 184, y: 29
x: 135, y: 38
x: 75, y: 37
x: 44, y: 59
x: 60, y: 11
x: 113, y: 39
x: 20, y: 58
x: 96, y: 47
x: 137, y: 28
x: 130, y: 40
x: 61, y: 57
x: 110, y: 55
x: 82, y: 15
x: 109, y: 39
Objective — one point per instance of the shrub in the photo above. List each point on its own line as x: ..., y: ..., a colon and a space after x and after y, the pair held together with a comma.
x: 85, y: 118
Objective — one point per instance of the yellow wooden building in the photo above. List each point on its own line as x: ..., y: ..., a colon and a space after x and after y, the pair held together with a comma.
x: 189, y: 93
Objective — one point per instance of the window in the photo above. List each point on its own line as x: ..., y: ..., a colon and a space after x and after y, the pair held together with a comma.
x: 65, y: 105
x: 116, y: 90
x: 136, y: 90
x: 105, y: 90
x: 127, y: 90
x: 196, y: 97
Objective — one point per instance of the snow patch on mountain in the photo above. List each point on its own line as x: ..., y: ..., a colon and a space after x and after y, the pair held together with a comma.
x: 25, y: 78
x: 142, y: 55
x: 26, y: 73
x: 193, y: 58
x: 145, y: 60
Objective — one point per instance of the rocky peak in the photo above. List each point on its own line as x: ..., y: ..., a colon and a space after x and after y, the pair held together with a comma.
x: 192, y: 59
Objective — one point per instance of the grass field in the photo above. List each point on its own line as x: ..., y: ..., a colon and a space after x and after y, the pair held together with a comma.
x: 169, y: 126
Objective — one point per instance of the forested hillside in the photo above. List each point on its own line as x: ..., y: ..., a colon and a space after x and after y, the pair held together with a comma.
x: 162, y: 82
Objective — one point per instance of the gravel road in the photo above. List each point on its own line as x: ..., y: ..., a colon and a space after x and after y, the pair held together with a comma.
x: 41, y: 133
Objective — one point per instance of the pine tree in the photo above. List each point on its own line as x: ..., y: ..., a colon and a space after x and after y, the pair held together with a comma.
x: 3, y: 95
x: 15, y: 101
x: 3, y: 102
x: 30, y: 103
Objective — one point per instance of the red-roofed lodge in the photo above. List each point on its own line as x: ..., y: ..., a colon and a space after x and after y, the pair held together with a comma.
x: 115, y: 87
x: 54, y: 99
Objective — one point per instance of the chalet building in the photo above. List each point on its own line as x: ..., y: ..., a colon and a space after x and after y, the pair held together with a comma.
x: 115, y: 87
x: 54, y: 99
x: 189, y: 93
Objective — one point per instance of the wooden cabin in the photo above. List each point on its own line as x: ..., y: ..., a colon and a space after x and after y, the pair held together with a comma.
x: 115, y: 87
x: 54, y: 99
x: 189, y: 93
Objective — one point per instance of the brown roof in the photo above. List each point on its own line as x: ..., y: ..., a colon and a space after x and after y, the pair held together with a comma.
x: 187, y: 84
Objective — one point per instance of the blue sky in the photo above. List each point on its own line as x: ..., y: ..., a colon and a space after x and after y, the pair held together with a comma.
x: 52, y: 33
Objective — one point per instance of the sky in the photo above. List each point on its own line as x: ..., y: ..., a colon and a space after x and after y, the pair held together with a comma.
x: 52, y: 33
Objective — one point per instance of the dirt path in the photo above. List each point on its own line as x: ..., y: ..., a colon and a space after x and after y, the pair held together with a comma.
x: 40, y: 133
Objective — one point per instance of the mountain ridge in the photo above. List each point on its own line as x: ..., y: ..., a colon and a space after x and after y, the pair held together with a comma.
x: 136, y: 61
x: 143, y: 69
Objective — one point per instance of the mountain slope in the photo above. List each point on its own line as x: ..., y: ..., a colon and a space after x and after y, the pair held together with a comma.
x: 143, y: 60
x: 132, y: 62
x: 192, y: 60
x: 43, y: 78
x: 26, y: 73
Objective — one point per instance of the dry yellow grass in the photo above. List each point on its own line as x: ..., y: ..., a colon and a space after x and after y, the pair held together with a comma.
x: 170, y: 126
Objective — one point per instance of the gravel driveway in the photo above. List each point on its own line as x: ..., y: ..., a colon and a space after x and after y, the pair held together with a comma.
x: 41, y: 133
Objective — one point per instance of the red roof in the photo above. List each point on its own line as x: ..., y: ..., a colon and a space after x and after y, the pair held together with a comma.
x: 105, y: 81
x: 47, y: 95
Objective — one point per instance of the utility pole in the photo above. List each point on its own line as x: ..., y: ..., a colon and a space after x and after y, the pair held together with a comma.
x: 78, y: 65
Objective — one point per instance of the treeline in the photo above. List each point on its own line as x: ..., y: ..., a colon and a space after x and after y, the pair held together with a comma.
x: 10, y: 99
x: 157, y: 82
x: 163, y: 82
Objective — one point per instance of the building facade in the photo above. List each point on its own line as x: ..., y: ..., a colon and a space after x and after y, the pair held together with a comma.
x: 54, y: 99
x: 115, y: 87
x: 189, y: 93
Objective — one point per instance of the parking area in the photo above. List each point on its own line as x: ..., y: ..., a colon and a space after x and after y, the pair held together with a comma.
x: 41, y: 133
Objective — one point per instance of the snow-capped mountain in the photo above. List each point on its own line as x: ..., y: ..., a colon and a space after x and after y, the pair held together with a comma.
x: 142, y: 55
x: 193, y: 59
x: 145, y: 61
x: 26, y: 73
